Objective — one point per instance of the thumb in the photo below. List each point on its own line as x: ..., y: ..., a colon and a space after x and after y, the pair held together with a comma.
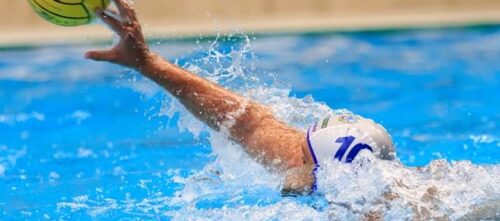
x: 109, y: 56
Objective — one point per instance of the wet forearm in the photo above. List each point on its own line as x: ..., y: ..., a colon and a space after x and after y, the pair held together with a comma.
x: 204, y: 99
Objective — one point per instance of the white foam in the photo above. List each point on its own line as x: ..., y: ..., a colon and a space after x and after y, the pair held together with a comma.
x: 21, y: 117
x: 2, y: 170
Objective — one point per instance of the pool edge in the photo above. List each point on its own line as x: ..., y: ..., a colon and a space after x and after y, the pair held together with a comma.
x: 97, y: 34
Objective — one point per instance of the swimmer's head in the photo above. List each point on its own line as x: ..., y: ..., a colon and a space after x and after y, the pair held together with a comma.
x: 344, y: 136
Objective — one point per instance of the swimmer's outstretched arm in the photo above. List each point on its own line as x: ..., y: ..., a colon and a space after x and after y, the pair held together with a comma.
x: 268, y: 140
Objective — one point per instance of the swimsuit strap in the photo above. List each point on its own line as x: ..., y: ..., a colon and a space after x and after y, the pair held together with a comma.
x: 316, y: 165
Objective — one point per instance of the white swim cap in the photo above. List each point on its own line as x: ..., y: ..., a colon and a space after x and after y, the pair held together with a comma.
x: 343, y: 136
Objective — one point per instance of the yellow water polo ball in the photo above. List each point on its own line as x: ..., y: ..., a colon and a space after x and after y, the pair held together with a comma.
x: 68, y: 12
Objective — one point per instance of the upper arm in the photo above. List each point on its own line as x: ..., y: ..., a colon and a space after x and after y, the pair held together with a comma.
x: 281, y: 147
x: 270, y: 141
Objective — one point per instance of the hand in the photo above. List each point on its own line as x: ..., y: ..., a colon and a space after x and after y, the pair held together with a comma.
x: 132, y: 51
x: 298, y: 181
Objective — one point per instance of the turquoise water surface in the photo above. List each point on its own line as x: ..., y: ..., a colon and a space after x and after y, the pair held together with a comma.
x: 85, y: 140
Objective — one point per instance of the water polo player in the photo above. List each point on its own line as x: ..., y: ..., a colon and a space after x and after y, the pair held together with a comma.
x: 281, y: 148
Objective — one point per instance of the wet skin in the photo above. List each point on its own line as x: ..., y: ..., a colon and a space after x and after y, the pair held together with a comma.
x: 280, y: 147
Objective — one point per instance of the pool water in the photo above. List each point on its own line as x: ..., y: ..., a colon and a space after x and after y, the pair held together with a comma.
x: 85, y: 140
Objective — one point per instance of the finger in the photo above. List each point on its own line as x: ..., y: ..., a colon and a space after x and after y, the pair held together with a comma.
x: 101, y: 56
x: 126, y: 9
x: 110, y: 18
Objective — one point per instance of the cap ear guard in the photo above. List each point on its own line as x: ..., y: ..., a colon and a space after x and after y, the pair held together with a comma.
x: 385, y: 146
